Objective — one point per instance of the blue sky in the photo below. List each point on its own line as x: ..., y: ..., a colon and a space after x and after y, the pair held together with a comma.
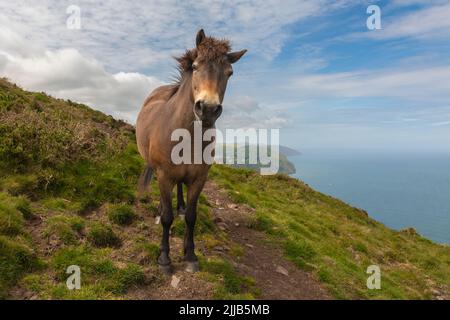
x: 313, y: 68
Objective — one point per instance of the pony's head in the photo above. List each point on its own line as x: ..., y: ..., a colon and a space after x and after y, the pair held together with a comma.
x: 210, y: 67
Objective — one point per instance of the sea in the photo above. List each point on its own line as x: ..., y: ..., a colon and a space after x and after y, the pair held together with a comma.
x: 399, y: 189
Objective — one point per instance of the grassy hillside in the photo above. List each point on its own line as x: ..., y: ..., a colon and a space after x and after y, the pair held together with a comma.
x: 68, y: 197
x: 68, y: 177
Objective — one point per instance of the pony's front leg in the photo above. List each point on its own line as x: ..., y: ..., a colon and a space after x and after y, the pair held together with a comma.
x: 165, y: 188
x: 193, y: 193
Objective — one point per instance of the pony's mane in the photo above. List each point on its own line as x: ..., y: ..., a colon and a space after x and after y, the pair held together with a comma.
x: 210, y: 49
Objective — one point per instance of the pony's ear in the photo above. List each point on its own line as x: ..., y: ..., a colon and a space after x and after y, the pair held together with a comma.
x: 200, y: 36
x: 235, y: 56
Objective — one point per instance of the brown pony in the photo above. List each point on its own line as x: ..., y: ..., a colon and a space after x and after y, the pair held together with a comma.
x: 197, y: 95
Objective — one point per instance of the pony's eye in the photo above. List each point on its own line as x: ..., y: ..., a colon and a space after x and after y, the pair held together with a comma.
x: 194, y: 66
x: 230, y: 73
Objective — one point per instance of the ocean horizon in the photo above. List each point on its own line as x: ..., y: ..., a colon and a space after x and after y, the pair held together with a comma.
x: 397, y: 189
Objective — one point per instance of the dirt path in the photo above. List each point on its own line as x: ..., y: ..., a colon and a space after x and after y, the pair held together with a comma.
x: 274, y: 275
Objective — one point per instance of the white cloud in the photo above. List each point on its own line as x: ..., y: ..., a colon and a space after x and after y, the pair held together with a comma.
x: 441, y: 123
x: 246, y: 112
x: 432, y: 83
x: 65, y: 73
x: 102, y: 64
x: 426, y: 23
x: 429, y: 23
x: 138, y: 34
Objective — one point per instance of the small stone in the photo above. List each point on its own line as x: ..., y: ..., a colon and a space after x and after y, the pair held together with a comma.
x: 282, y: 270
x: 222, y: 226
x: 249, y: 245
x: 236, y: 224
x: 175, y: 281
x: 233, y: 206
x: 158, y: 220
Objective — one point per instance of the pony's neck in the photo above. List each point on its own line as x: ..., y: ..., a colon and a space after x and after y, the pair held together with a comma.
x: 185, y: 102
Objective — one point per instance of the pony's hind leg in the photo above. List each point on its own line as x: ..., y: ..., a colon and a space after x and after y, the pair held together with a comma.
x: 181, y: 206
x: 165, y: 188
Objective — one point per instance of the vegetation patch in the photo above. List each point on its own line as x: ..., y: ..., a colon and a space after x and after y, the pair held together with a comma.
x: 229, y: 284
x: 11, y: 219
x: 100, y: 277
x: 66, y: 227
x: 50, y: 147
x: 152, y: 251
x: 101, y: 235
x: 16, y: 259
x: 121, y: 214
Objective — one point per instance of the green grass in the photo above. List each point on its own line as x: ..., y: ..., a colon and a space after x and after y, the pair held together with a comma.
x: 16, y: 254
x: 101, y: 235
x: 337, y: 242
x: 66, y: 227
x: 11, y: 219
x: 16, y: 259
x: 99, y: 276
x: 204, y: 223
x: 229, y: 284
x: 152, y: 251
x: 121, y: 214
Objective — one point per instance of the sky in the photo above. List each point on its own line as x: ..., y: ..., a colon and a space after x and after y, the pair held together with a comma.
x: 313, y: 68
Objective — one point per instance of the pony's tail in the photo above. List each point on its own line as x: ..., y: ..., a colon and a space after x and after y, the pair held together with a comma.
x: 144, y: 179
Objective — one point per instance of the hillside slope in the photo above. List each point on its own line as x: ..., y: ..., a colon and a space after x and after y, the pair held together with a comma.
x: 67, y: 197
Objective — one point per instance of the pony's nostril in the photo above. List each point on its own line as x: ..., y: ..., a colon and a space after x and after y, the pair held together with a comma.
x: 203, y: 109
x: 198, y: 107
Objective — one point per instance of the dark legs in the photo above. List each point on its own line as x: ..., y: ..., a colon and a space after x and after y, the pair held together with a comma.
x: 193, y: 193
x: 165, y: 188
x: 181, y: 206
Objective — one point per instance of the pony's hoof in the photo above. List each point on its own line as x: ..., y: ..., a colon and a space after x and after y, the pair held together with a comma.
x: 166, y: 269
x: 192, y: 266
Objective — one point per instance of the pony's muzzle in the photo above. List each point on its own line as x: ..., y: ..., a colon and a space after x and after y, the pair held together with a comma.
x: 207, y: 112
